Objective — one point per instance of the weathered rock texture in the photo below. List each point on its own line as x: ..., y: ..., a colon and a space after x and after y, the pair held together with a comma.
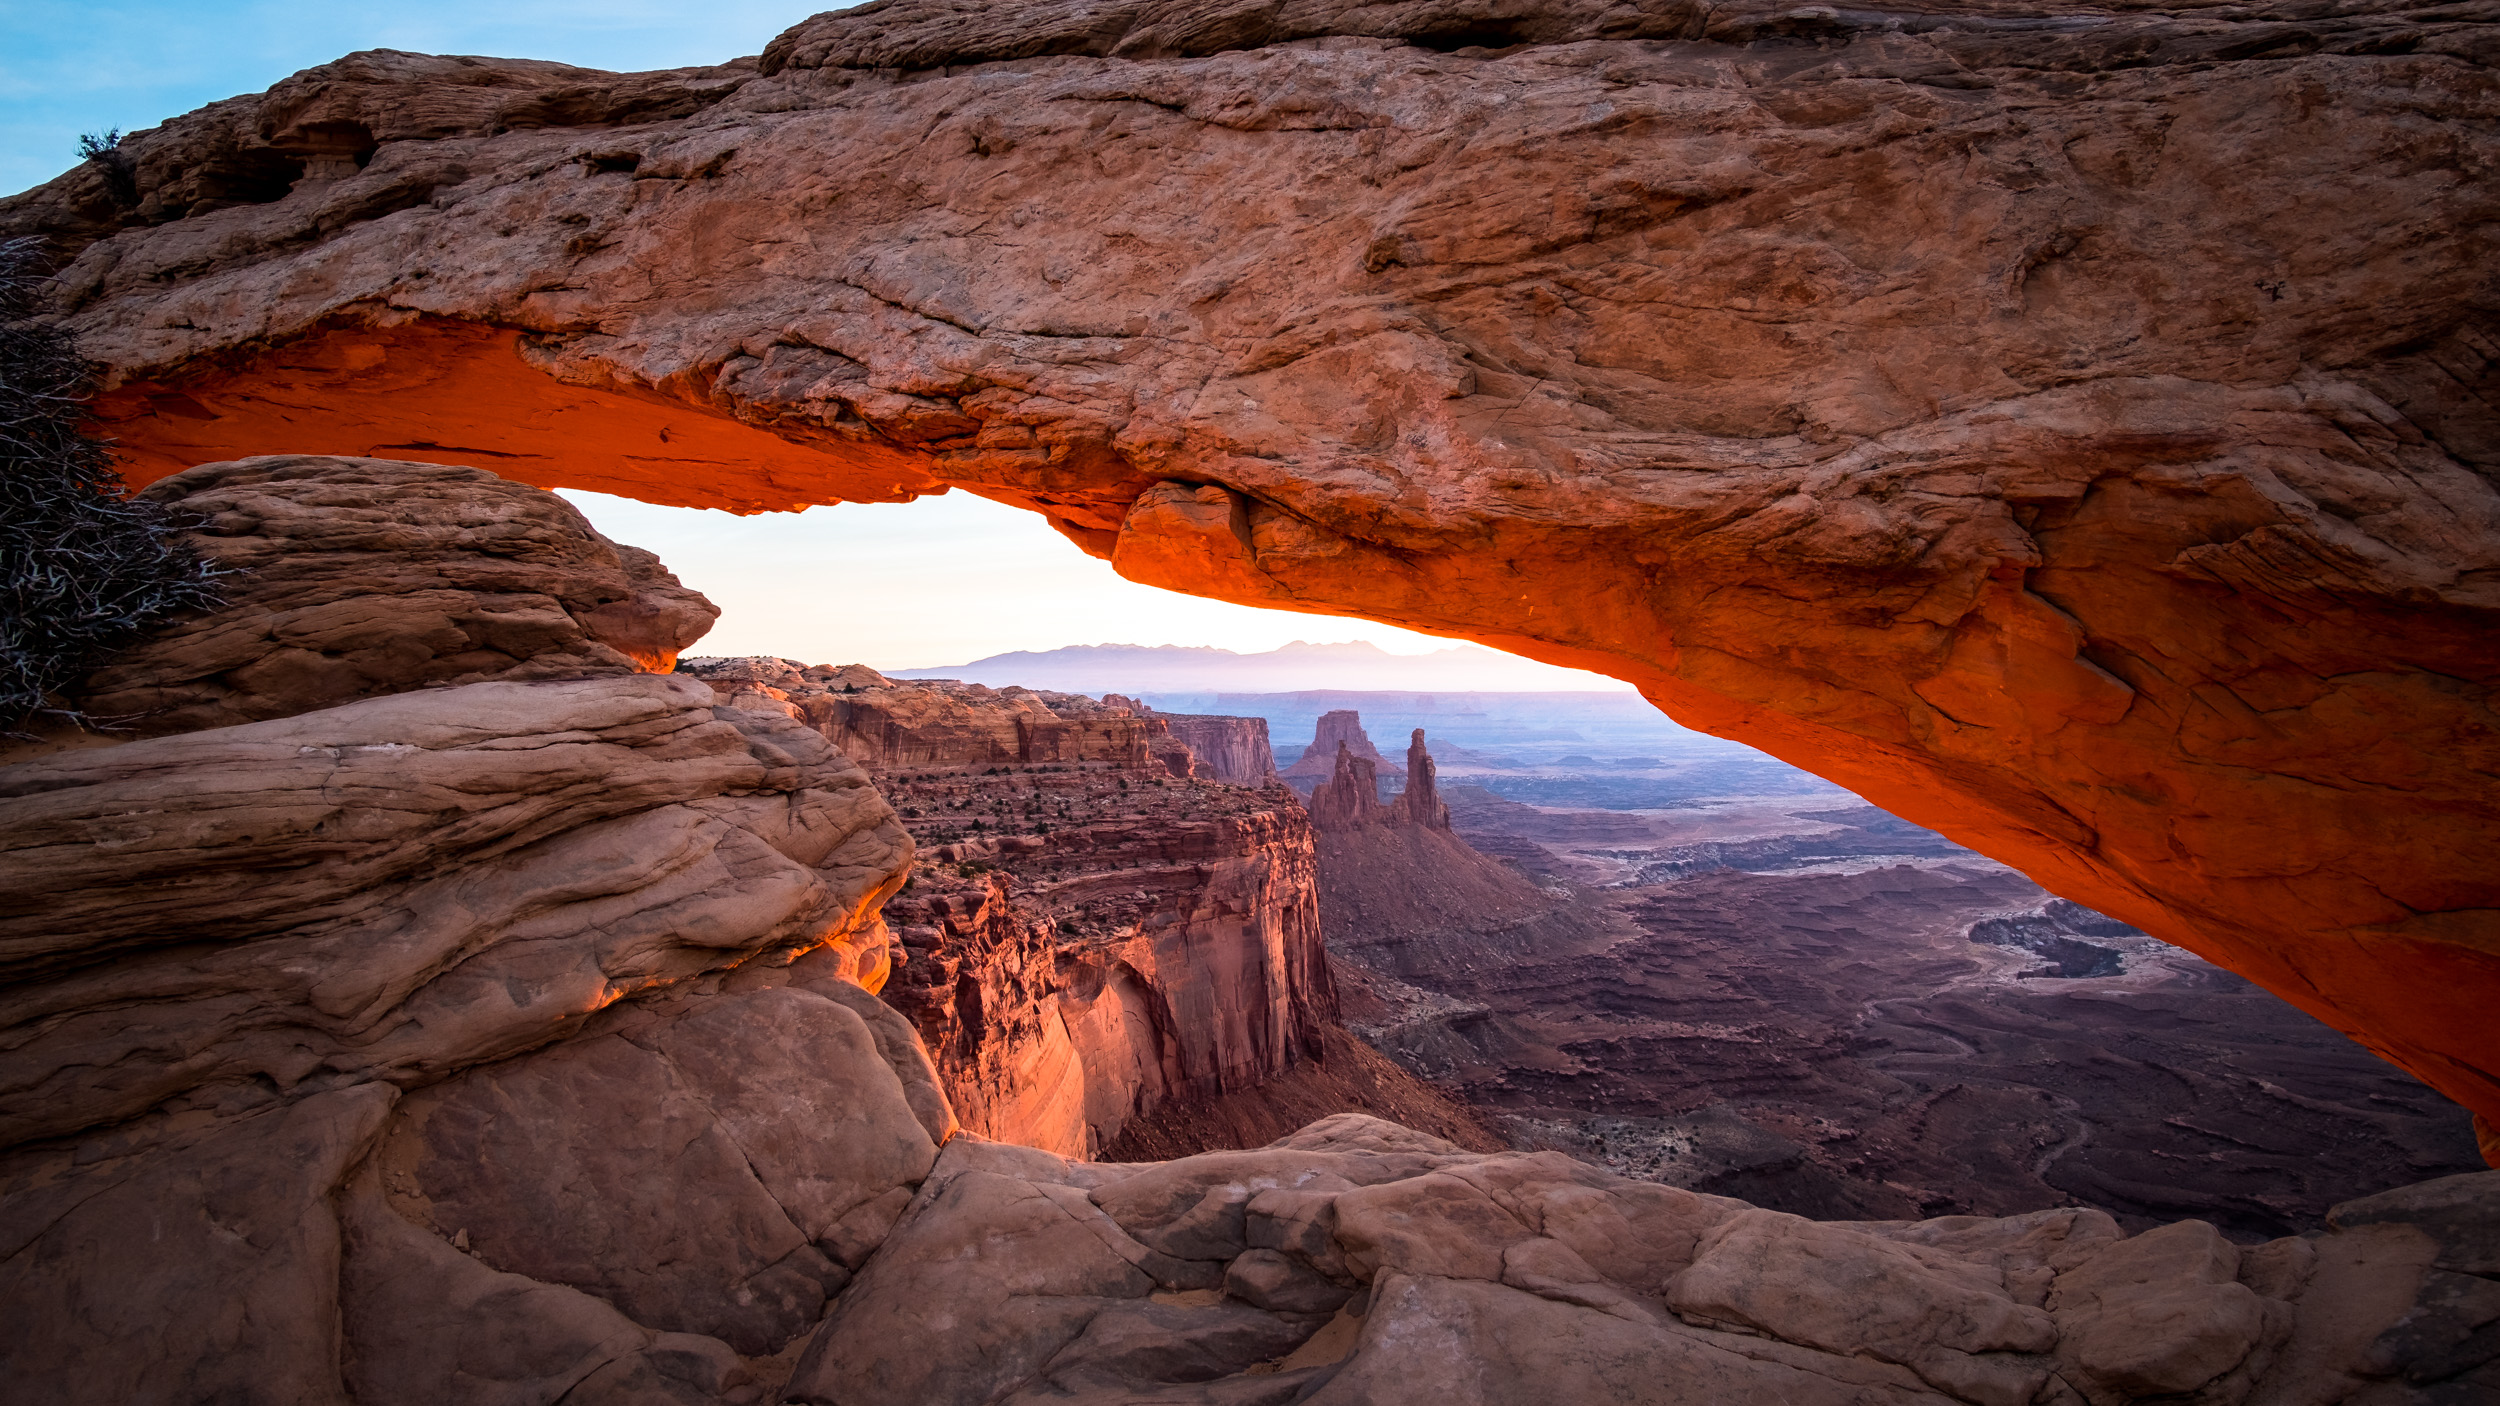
x: 515, y: 1042
x: 893, y: 723
x: 1180, y: 741
x: 1233, y: 750
x: 2069, y: 428
x: 1093, y: 933
x: 469, y: 1041
x: 1361, y: 1264
x: 349, y: 578
x: 1350, y: 798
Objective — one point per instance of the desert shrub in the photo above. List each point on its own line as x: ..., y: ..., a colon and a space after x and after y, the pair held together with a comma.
x: 82, y: 567
x: 121, y: 174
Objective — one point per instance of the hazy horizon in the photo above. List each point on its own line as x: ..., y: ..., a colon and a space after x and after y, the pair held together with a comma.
x: 953, y: 580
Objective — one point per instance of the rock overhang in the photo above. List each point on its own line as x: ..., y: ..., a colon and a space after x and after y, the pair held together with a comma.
x: 1941, y: 402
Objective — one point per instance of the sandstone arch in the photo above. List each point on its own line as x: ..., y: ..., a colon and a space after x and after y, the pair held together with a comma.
x: 2071, y: 429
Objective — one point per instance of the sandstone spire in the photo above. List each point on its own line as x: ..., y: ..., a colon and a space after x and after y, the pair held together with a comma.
x: 1421, y: 803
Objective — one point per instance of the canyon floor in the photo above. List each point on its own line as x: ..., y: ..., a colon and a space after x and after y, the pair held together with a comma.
x: 1744, y: 980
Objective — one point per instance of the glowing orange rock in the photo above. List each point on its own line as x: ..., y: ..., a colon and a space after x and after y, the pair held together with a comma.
x: 2076, y: 438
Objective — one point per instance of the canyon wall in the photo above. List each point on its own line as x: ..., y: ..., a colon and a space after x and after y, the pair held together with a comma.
x: 1939, y: 401
x: 1234, y: 750
x: 1094, y: 931
x: 889, y: 723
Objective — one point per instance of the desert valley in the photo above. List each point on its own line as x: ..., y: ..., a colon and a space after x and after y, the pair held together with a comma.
x: 2021, y: 936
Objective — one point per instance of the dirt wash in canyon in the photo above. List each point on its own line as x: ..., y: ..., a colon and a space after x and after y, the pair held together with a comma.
x: 1826, y: 1011
x: 2069, y: 428
x: 507, y: 1033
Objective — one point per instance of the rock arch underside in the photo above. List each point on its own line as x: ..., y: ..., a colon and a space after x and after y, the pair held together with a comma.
x: 2070, y: 427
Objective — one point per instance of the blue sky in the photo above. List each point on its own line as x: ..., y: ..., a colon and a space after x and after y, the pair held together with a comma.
x: 72, y: 66
x: 942, y: 581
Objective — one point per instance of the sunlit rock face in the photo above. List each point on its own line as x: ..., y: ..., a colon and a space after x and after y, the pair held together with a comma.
x: 1231, y: 749
x: 2070, y: 430
x: 1092, y: 933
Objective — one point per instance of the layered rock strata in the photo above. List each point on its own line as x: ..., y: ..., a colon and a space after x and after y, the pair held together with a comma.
x: 470, y: 1038
x: 1231, y: 750
x: 1350, y: 798
x: 349, y: 578
x: 1936, y: 401
x: 1093, y: 933
x: 892, y: 723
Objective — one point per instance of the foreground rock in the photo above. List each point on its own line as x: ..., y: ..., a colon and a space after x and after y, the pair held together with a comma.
x: 1361, y: 1263
x: 348, y: 578
x: 1940, y: 402
x: 279, y: 999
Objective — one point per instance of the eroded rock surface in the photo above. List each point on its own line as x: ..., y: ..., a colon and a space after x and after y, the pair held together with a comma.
x: 349, y: 578
x: 230, y: 951
x: 1941, y: 401
x: 1361, y: 1263
x: 1233, y: 750
x: 1092, y: 932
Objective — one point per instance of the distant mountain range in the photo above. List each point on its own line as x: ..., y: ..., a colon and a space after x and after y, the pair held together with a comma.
x: 1173, y: 668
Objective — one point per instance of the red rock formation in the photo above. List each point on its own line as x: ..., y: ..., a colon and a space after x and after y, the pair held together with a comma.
x: 1131, y: 954
x: 888, y: 723
x: 298, y: 1015
x: 1340, y: 728
x: 1093, y: 931
x: 1935, y: 402
x: 1350, y: 798
x: 1420, y: 803
x: 1233, y: 750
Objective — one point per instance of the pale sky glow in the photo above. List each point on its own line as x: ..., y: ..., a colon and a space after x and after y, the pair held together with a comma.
x: 947, y: 580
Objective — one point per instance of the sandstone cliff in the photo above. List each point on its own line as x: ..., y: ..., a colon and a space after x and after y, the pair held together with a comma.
x: 1093, y: 933
x: 1232, y: 750
x: 1939, y: 400
x: 890, y: 723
